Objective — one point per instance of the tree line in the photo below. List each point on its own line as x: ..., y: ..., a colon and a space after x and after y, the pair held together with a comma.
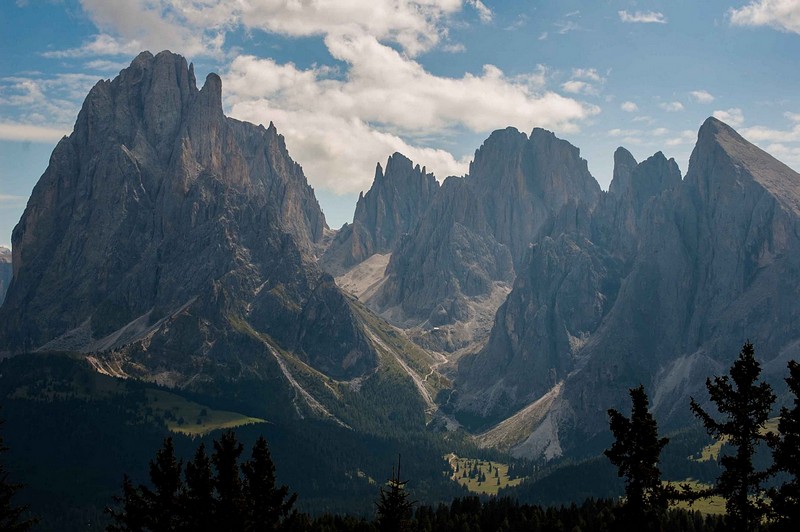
x: 223, y: 490
x: 743, y: 404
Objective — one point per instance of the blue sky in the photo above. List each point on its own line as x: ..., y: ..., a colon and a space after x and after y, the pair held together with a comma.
x: 348, y: 82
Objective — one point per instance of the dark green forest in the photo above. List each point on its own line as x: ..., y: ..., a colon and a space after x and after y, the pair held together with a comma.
x: 82, y: 449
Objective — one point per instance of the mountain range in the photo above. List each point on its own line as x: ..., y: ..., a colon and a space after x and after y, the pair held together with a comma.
x: 169, y: 243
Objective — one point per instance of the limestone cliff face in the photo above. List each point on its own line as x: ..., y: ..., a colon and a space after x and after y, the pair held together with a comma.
x: 464, y: 251
x: 450, y: 257
x: 161, y: 220
x: 660, y: 284
x: 389, y: 210
x: 5, y: 271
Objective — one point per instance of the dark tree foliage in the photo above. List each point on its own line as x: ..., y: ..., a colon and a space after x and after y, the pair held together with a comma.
x: 232, y: 497
x: 199, y: 495
x: 134, y: 514
x: 165, y: 500
x: 156, y: 509
x: 745, y: 405
x: 786, y: 456
x: 635, y: 452
x: 394, y: 506
x: 266, y: 505
x: 229, y: 507
x: 11, y: 515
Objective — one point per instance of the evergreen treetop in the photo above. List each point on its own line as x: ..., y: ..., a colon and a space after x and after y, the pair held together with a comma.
x: 744, y: 404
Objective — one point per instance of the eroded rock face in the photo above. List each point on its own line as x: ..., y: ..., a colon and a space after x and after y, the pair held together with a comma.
x: 477, y: 230
x: 163, y: 226
x: 6, y: 271
x: 660, y: 284
x: 389, y: 210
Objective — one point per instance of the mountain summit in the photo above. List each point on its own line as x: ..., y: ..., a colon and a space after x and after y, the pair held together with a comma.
x: 660, y: 284
x: 175, y: 239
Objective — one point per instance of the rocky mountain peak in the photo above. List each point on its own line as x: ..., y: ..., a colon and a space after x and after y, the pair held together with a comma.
x: 624, y: 165
x: 160, y: 218
x: 722, y: 159
x: 391, y: 207
x: 651, y: 177
x: 498, y: 153
x: 398, y: 164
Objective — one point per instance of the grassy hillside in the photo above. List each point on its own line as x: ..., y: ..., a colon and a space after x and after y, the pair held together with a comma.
x: 484, y: 477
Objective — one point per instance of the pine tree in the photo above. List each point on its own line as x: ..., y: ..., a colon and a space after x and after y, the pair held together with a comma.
x: 267, y: 506
x: 164, y: 501
x: 394, y: 506
x: 635, y: 452
x: 134, y: 515
x: 199, y: 498
x: 229, y: 509
x: 786, y: 455
x: 11, y: 519
x: 745, y: 404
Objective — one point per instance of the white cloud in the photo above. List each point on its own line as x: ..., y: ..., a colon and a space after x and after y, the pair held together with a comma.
x: 794, y: 117
x: 566, y: 26
x: 617, y: 132
x: 701, y: 96
x: 671, y: 107
x: 789, y: 155
x: 102, y: 65
x: 191, y: 27
x: 584, y: 81
x: 454, y: 48
x: 384, y: 98
x: 338, y: 124
x: 783, y: 15
x: 733, y: 116
x: 763, y: 135
x: 687, y: 136
x: 519, y: 22
x: 340, y: 153
x: 31, y: 133
x: 660, y: 131
x: 577, y: 87
x: 587, y: 73
x: 484, y: 12
x: 783, y: 144
x: 646, y: 17
x: 385, y: 87
x: 629, y: 107
x: 7, y: 200
x: 103, y: 45
x: 51, y: 103
x: 199, y: 27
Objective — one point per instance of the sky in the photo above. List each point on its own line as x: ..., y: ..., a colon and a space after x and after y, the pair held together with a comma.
x: 349, y: 82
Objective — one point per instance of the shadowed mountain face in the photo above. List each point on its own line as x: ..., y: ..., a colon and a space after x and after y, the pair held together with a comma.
x: 461, y: 257
x: 166, y: 230
x: 660, y: 285
x: 396, y: 201
x: 5, y: 271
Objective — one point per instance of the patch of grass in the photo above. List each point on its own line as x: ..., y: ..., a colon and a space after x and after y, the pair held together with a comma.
x: 714, y: 505
x: 480, y: 476
x: 712, y: 450
x: 144, y: 403
x: 192, y: 419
